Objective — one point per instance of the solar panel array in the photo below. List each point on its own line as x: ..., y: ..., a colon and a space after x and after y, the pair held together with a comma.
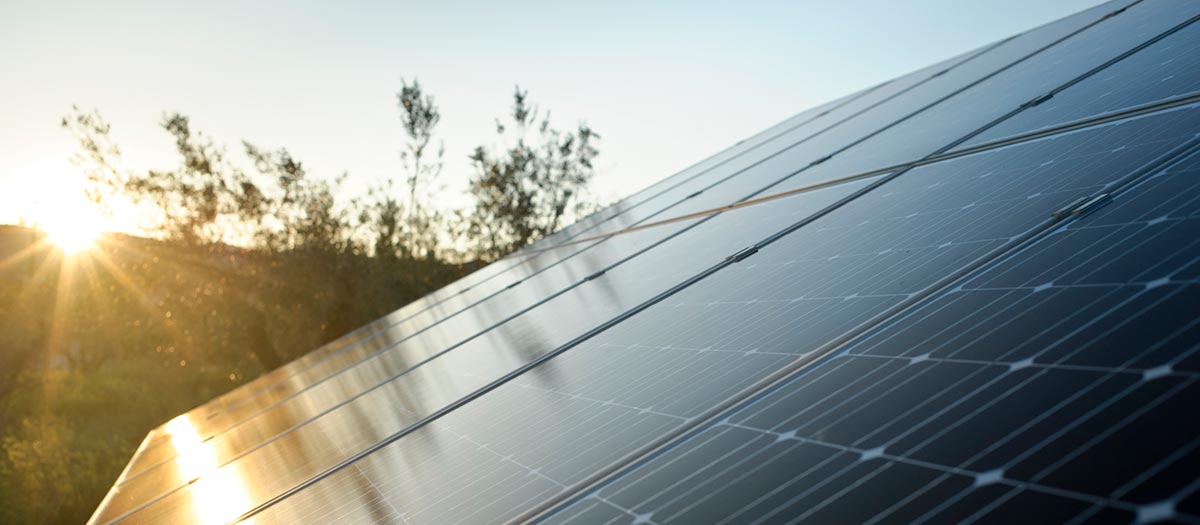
x: 971, y: 293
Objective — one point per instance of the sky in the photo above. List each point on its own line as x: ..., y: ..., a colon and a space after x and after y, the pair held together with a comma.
x: 664, y: 83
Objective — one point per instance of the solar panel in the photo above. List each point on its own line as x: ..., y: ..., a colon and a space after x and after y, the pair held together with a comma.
x: 1057, y: 385
x: 937, y: 233
x: 665, y: 367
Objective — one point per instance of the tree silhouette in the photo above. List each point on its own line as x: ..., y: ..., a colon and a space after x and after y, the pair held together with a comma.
x: 534, y: 186
x: 409, y: 228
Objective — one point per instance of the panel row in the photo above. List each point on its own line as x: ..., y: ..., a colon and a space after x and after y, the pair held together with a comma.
x: 1058, y: 386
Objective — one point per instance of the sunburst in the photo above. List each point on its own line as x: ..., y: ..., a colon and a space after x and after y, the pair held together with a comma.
x: 72, y: 238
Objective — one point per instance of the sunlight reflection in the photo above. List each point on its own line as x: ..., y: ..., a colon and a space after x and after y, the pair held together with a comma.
x: 219, y: 496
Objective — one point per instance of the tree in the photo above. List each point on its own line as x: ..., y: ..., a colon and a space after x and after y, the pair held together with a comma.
x: 207, y: 198
x: 303, y: 213
x: 534, y: 186
x: 204, y: 199
x: 409, y: 229
x: 419, y: 116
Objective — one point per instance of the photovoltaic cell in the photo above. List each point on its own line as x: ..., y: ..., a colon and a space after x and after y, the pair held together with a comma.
x: 665, y: 366
x: 1058, y: 385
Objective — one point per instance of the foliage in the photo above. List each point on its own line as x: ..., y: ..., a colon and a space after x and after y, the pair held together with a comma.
x: 419, y: 116
x: 534, y: 186
x: 196, y: 202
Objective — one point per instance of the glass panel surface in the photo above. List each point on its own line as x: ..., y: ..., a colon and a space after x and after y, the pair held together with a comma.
x: 940, y: 126
x: 911, y: 91
x: 1059, y: 384
x: 1166, y: 69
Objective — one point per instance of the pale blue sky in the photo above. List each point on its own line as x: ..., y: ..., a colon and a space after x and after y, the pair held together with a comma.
x: 664, y: 83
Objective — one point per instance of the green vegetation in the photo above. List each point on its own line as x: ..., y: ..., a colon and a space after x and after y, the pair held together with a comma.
x: 248, y: 265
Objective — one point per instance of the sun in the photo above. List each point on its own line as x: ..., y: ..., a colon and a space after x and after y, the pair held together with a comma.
x: 72, y: 238
x: 73, y: 227
x: 61, y: 203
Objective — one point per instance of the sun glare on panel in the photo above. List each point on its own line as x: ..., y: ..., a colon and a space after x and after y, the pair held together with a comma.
x: 218, y: 494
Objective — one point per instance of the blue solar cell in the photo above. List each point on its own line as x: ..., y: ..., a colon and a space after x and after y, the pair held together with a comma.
x: 1055, y: 385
